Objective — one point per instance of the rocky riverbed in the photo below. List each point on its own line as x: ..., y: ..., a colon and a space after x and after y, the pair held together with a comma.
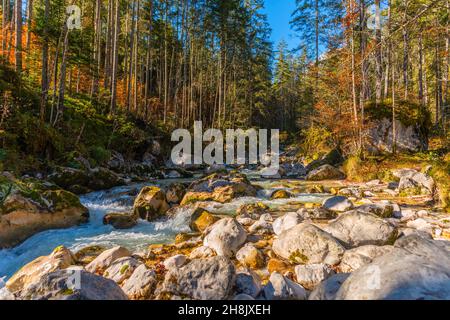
x: 306, y: 233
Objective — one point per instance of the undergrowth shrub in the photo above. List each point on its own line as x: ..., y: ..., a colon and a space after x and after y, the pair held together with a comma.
x: 317, y: 141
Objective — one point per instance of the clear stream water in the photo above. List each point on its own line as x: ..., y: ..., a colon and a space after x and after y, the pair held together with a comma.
x: 138, y: 238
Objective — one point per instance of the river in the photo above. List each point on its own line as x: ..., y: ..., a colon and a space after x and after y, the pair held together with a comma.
x: 121, y: 199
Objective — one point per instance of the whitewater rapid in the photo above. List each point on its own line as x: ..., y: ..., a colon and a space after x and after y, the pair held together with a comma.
x: 136, y: 239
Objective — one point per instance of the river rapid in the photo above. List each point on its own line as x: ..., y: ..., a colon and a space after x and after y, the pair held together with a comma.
x: 136, y: 239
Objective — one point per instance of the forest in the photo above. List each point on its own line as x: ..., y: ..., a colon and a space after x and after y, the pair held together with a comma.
x: 169, y: 63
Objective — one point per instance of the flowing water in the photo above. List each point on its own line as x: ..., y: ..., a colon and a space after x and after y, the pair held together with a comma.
x: 138, y: 238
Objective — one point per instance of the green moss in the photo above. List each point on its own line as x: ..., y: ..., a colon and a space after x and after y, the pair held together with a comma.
x: 194, y: 197
x: 29, y: 145
x: 281, y: 194
x: 30, y: 189
x: 393, y: 238
x: 415, y: 191
x: 62, y: 199
x: 58, y: 249
x: 317, y: 188
x: 317, y: 142
x: 298, y: 257
x: 261, y: 206
x: 386, y: 175
x: 99, y: 154
x: 5, y: 190
x: 91, y: 251
x: 67, y: 292
x: 124, y: 268
x: 359, y: 170
x: 382, y: 167
x: 441, y: 175
x: 408, y: 113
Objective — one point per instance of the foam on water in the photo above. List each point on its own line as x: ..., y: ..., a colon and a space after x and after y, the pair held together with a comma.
x: 145, y: 233
x: 95, y: 233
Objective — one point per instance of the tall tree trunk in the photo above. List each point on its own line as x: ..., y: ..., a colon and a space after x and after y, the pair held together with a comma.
x: 148, y: 59
x: 136, y: 58
x: 62, y: 79
x: 405, y: 50
x: 130, y: 62
x: 317, y: 31
x: 446, y: 67
x: 421, y: 57
x: 352, y: 27
x: 165, y: 61
x: 29, y: 23
x: 18, y: 41
x: 97, y: 47
x: 394, y: 115
x: 55, y: 72
x: 115, y: 58
x: 11, y: 27
x: 389, y: 53
x: 108, y: 45
x: 378, y: 54
x: 5, y: 18
x: 364, y: 70
x: 44, y: 73
x: 438, y: 90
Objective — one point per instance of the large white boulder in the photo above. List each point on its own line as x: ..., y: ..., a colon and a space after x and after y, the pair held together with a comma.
x: 356, y: 229
x: 307, y: 244
x: 226, y: 237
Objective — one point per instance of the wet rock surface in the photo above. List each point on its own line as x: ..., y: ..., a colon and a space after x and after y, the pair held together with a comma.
x: 204, y: 279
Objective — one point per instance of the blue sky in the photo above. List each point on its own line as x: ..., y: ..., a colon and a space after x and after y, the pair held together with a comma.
x: 279, y: 14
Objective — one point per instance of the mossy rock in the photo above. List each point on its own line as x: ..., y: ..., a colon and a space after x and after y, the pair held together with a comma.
x: 440, y: 172
x: 193, y: 197
x: 102, y: 178
x: 281, y: 194
x: 325, y: 172
x: 67, y: 177
x: 201, y: 220
x: 414, y: 191
x: 297, y: 190
x: 62, y: 199
x: 120, y: 220
x: 276, y: 265
x: 333, y: 158
x: 175, y: 193
x: 334, y: 190
x: 298, y: 257
x: 317, y: 188
x: 183, y: 237
x: 31, y: 190
x: 58, y: 249
x: 150, y: 204
x: 257, y: 208
x: 124, y: 268
x: 359, y: 170
x: 407, y: 112
x: 88, y: 254
x: 77, y: 189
